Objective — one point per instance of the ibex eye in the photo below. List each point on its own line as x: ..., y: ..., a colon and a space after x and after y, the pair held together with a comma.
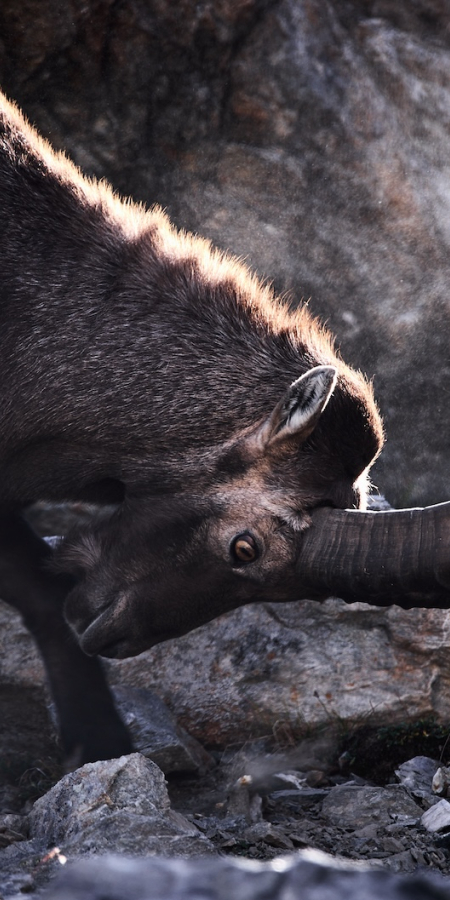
x: 244, y: 548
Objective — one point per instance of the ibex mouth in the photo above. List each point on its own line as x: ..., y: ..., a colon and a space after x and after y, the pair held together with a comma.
x: 114, y: 650
x: 123, y: 648
x: 113, y: 640
x: 95, y: 642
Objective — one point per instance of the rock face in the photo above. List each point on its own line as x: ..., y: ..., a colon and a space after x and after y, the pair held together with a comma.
x: 300, y: 666
x: 283, y: 669
x: 310, y: 138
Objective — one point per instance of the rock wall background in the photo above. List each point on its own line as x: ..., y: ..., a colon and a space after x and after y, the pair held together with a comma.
x: 310, y: 137
x: 284, y: 672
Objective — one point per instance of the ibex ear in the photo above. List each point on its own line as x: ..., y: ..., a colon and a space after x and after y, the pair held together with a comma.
x: 297, y: 413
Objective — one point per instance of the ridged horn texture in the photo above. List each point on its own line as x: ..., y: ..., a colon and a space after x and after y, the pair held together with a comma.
x: 397, y: 556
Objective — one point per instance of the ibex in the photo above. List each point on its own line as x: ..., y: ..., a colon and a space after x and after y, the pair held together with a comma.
x: 140, y: 366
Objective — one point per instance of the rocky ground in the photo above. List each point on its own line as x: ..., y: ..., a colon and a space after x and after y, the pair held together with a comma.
x: 246, y: 802
x: 262, y: 815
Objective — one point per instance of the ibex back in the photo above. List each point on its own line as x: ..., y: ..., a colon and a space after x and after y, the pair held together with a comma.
x: 140, y: 366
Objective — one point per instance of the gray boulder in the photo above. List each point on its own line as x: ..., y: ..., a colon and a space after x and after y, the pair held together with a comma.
x: 273, y: 669
x: 118, y: 805
x: 290, y: 669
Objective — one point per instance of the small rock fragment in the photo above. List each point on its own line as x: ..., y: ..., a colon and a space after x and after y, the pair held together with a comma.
x: 291, y: 778
x: 437, y: 818
x: 367, y: 832
x: 305, y: 797
x: 270, y: 834
x: 316, y: 778
x: 244, y: 801
x: 156, y: 733
x: 13, y: 828
x: 416, y: 776
x: 441, y: 781
x: 354, y: 806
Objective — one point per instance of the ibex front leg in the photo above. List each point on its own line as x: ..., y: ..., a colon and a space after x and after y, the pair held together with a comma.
x: 90, y: 727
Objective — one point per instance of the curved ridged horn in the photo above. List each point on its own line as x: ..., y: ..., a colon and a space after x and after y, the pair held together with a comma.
x: 395, y: 556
